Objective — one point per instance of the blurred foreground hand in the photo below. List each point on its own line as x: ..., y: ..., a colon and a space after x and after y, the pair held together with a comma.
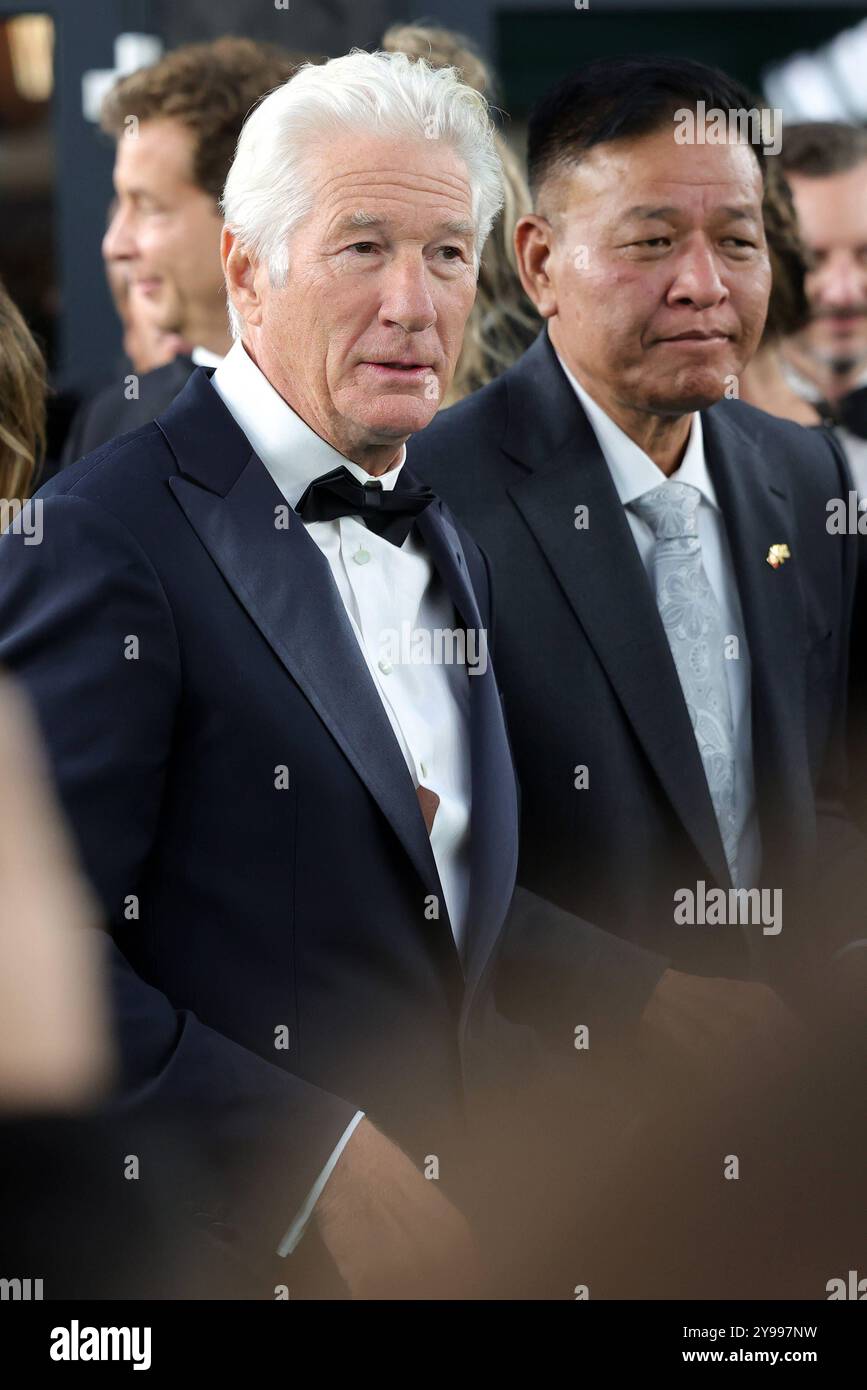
x: 719, y: 1028
x: 390, y: 1232
x: 55, y: 1049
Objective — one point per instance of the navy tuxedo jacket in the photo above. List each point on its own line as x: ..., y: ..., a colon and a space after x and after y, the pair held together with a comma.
x: 588, y: 679
x: 280, y: 947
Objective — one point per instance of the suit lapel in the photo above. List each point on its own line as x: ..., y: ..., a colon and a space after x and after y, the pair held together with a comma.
x: 600, y: 572
x: 285, y: 584
x: 494, y: 812
x: 753, y: 496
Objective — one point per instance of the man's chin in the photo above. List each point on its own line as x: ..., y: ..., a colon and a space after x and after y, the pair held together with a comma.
x: 838, y: 353
x: 395, y: 417
x: 691, y: 391
x: 844, y: 362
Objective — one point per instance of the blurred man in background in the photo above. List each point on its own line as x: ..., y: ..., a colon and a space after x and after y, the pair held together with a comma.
x: 825, y: 164
x: 146, y: 345
x: 176, y: 125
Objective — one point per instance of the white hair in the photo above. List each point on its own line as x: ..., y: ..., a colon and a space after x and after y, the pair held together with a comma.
x: 269, y: 190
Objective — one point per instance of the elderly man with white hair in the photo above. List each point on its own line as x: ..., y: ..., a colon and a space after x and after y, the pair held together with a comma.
x: 257, y: 648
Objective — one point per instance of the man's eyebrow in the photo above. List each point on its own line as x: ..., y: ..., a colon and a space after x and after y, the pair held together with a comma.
x: 458, y: 226
x: 453, y: 226
x: 747, y: 214
x: 646, y: 210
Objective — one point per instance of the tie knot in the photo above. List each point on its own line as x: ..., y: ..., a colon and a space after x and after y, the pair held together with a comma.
x: 669, y: 510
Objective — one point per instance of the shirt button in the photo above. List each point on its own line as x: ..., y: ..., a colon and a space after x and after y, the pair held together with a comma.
x: 423, y: 769
x: 361, y: 556
x: 385, y: 667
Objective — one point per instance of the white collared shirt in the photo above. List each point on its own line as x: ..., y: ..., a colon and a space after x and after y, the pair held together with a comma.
x: 203, y: 357
x: 388, y: 592
x: 633, y: 472
x: 853, y: 446
x: 382, y: 587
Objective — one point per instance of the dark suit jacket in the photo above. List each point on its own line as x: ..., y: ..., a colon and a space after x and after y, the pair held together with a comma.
x: 246, y: 815
x: 78, y: 1216
x: 588, y: 678
x: 852, y: 412
x: 110, y: 413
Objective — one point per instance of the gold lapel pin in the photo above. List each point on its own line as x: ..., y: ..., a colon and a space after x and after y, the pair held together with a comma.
x: 778, y: 554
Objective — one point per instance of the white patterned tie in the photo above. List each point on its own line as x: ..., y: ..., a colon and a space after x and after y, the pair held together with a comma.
x: 693, y: 625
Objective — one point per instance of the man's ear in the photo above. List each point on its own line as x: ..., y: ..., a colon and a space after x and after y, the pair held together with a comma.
x: 240, y: 273
x: 534, y: 244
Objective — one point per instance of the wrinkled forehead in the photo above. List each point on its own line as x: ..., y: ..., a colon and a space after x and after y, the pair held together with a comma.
x: 634, y: 177
x: 380, y: 177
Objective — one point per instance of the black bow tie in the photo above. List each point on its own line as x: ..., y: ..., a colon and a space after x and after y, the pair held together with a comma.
x: 389, y: 514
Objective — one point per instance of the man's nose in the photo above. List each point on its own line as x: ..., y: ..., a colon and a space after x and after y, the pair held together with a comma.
x: 119, y: 240
x: 697, y: 278
x: 841, y: 281
x: 406, y: 298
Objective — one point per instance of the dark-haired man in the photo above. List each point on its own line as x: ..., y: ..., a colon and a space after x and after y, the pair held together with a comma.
x: 176, y: 125
x: 672, y: 615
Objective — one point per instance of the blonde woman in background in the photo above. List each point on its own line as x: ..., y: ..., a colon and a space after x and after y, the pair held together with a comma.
x: 54, y: 1046
x: 22, y: 406
x: 503, y: 321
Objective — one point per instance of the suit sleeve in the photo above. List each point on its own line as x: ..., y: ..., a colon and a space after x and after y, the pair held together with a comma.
x: 556, y: 971
x: 69, y: 607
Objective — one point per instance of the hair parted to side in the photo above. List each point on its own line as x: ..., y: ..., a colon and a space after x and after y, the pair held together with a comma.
x: 269, y: 190
x: 818, y: 149
x: 618, y: 98
x: 210, y: 88
x: 22, y: 403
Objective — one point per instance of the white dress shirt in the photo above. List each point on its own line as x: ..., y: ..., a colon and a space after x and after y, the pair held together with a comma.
x: 388, y: 592
x: 853, y: 446
x: 384, y: 588
x: 633, y: 472
x: 203, y: 357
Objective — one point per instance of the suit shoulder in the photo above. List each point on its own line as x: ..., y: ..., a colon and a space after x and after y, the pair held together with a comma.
x: 459, y: 452
x: 116, y: 472
x: 480, y: 415
x: 811, y: 453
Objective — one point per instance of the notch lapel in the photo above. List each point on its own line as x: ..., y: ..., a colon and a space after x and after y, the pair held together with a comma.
x: 285, y: 584
x: 601, y: 574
